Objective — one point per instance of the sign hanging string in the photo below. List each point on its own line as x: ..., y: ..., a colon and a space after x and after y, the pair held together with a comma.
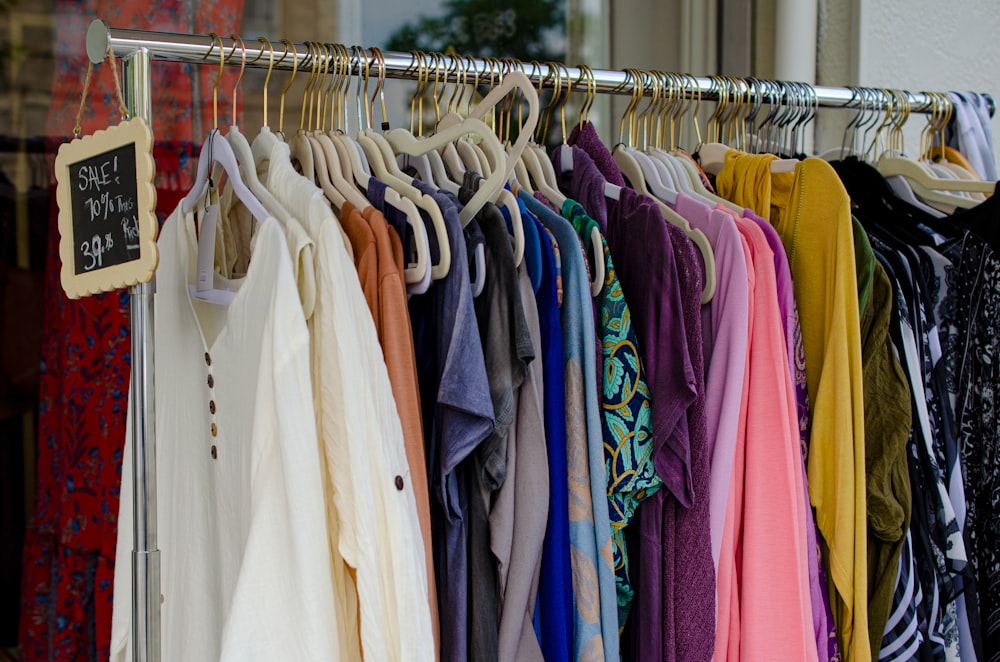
x: 77, y: 129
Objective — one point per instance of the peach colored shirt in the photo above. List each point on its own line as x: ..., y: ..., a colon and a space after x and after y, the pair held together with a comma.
x: 379, y: 261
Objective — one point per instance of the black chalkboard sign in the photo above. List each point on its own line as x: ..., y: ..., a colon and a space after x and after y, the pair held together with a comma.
x: 105, y: 219
x: 106, y: 202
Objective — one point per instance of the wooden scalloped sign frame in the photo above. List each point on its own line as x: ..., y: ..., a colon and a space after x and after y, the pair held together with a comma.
x: 138, y: 212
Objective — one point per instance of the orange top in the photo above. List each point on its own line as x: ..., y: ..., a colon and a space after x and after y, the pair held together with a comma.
x: 379, y: 261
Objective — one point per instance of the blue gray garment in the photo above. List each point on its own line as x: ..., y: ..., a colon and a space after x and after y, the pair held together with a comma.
x: 590, y: 527
x: 532, y: 249
x: 554, y: 609
x: 507, y: 348
x: 458, y: 416
x: 396, y: 217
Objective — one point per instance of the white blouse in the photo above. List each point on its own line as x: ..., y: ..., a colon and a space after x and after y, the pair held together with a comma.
x: 245, y: 564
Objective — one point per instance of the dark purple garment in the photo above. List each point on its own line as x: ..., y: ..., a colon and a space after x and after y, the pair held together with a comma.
x: 583, y: 182
x: 673, y: 617
x: 644, y: 262
x: 688, y: 567
x: 585, y: 137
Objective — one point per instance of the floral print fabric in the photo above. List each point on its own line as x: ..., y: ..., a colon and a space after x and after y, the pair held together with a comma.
x: 625, y: 408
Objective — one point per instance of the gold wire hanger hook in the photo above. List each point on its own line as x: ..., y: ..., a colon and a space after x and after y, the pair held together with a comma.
x: 587, y: 75
x: 318, y: 94
x: 564, y: 99
x: 362, y: 95
x: 454, y: 100
x: 438, y: 60
x: 556, y: 75
x: 621, y: 121
x: 289, y: 46
x: 342, y: 60
x: 639, y: 91
x: 697, y: 108
x: 270, y: 68
x: 218, y: 78
x: 239, y: 79
x: 326, y: 89
x: 312, y: 58
x: 379, y: 58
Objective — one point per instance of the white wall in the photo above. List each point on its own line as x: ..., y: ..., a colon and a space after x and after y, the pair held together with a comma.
x: 909, y: 44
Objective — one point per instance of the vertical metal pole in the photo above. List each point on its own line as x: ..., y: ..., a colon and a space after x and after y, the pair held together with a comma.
x: 145, y: 554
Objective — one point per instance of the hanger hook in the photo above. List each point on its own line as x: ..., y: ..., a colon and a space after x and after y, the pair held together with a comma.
x: 379, y: 58
x: 270, y: 68
x: 289, y: 47
x: 326, y: 88
x: 556, y: 75
x: 362, y: 96
x: 438, y: 90
x: 312, y: 58
x: 456, y: 67
x: 629, y: 82
x: 218, y: 78
x: 239, y: 79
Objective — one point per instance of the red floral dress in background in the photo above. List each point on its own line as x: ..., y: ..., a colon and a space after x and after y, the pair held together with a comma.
x: 69, y: 550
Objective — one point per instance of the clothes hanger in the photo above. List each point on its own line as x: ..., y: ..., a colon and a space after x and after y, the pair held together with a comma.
x: 300, y: 149
x: 505, y: 199
x: 321, y: 159
x: 688, y: 175
x: 712, y: 155
x: 421, y: 164
x: 470, y: 151
x: 382, y: 158
x: 219, y: 151
x: 661, y: 182
x: 533, y: 163
x: 467, y: 154
x: 241, y: 147
x: 488, y: 140
x: 550, y: 191
x: 438, y: 170
x: 265, y: 144
x: 449, y: 153
x: 625, y: 157
x: 633, y: 171
x: 332, y: 160
x: 666, y: 164
x: 845, y: 150
x: 593, y: 244
x: 215, y: 151
x: 927, y: 185
x: 416, y: 274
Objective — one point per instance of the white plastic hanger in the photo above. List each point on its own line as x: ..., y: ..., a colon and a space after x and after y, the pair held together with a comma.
x: 215, y: 150
x: 631, y: 164
x: 382, y: 158
x: 219, y: 151
x: 931, y: 187
x: 244, y: 154
x: 593, y: 242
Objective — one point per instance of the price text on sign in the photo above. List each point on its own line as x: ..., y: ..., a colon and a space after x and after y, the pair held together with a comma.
x: 107, y: 224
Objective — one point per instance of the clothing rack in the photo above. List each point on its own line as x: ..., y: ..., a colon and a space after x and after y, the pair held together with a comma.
x: 138, y: 48
x: 194, y: 49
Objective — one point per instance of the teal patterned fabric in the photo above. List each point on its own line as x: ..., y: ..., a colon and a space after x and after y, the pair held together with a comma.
x: 625, y: 407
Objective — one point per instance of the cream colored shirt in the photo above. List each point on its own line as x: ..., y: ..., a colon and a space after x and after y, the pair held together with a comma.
x: 245, y: 572
x: 362, y: 440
